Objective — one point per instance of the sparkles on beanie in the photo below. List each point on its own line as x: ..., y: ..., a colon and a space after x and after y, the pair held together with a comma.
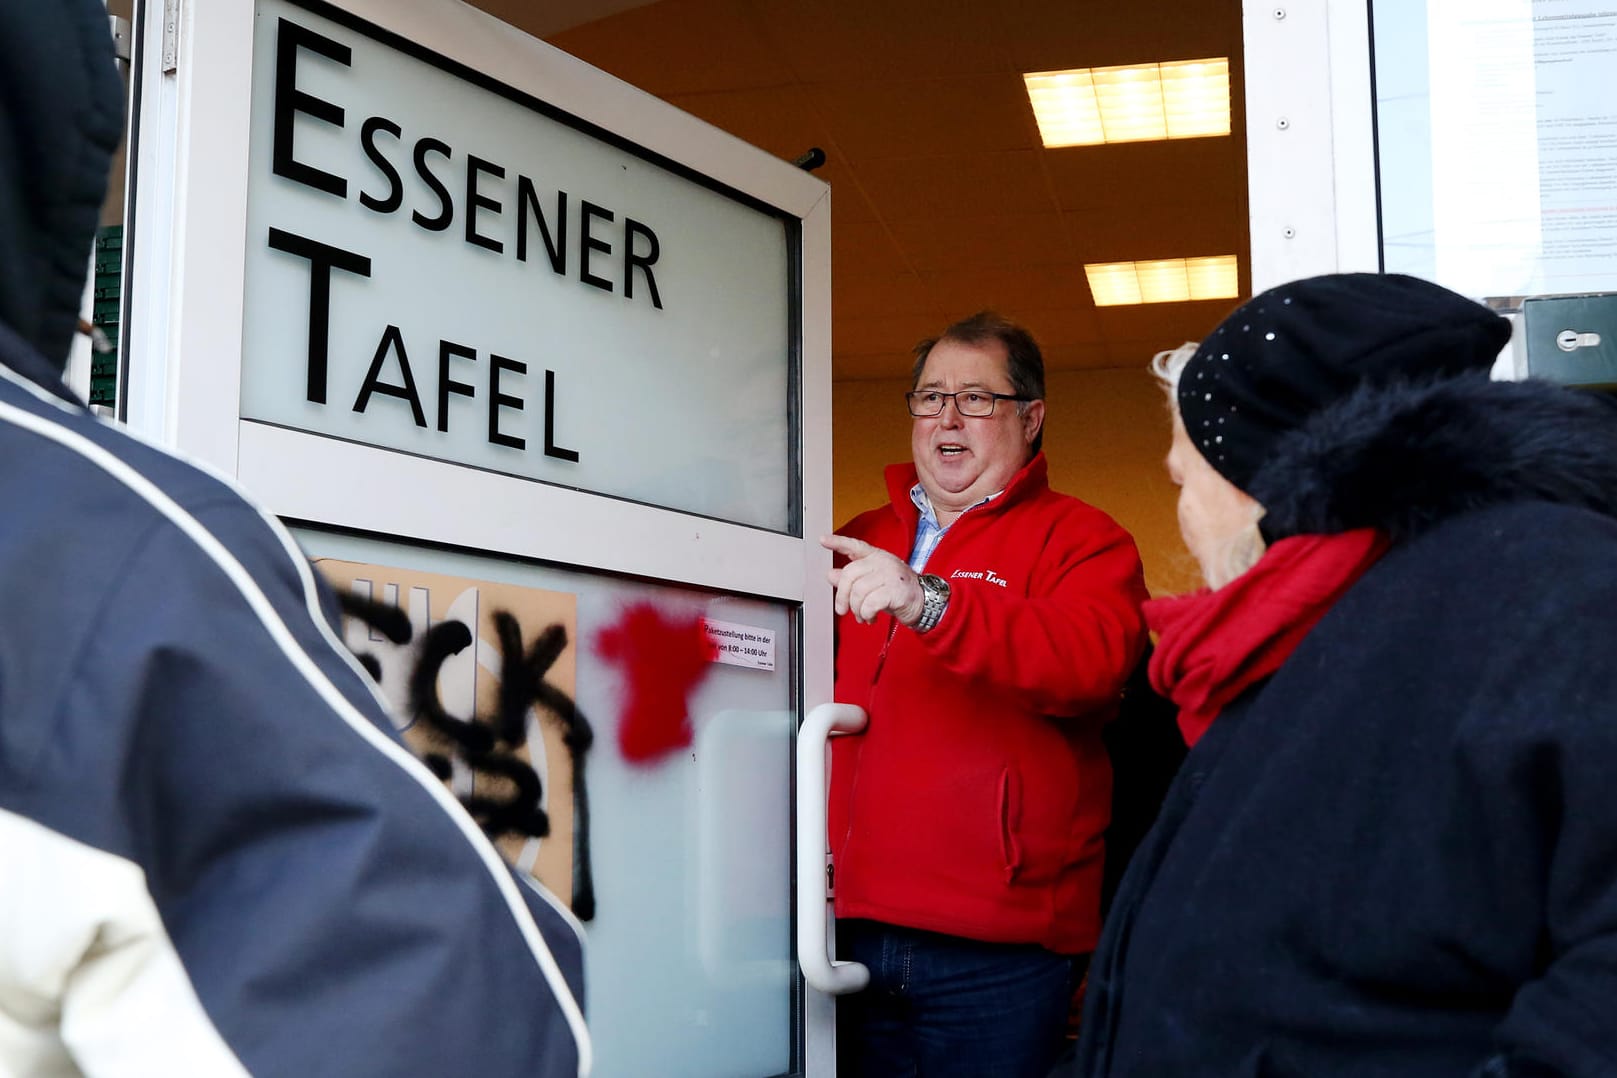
x: 1294, y: 349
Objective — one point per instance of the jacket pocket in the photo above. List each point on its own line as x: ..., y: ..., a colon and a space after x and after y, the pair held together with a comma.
x: 1010, y: 849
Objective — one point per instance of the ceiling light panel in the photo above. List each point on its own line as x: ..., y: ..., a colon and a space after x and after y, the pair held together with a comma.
x: 1064, y: 105
x: 1113, y: 284
x: 1213, y: 278
x: 1196, y: 98
x: 1089, y: 106
x: 1168, y: 280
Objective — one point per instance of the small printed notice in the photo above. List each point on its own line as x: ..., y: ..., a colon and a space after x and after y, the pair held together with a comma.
x: 742, y: 645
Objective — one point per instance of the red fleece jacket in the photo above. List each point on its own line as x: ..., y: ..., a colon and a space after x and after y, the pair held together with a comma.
x: 975, y: 801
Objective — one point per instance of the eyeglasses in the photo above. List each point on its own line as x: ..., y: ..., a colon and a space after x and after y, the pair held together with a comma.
x: 975, y: 403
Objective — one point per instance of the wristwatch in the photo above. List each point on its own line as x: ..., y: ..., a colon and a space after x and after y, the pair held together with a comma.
x: 936, y: 592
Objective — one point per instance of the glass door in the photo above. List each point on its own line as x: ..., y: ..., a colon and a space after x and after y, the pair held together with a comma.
x: 546, y: 363
x: 670, y: 834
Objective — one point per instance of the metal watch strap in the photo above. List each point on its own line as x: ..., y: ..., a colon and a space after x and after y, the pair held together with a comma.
x: 936, y: 591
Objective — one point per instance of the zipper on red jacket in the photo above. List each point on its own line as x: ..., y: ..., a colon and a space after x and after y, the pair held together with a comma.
x: 881, y: 659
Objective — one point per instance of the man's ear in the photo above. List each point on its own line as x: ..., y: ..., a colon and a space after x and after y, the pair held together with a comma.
x: 1032, y: 421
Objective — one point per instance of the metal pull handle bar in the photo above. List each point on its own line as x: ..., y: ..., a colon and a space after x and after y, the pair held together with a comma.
x: 813, y: 935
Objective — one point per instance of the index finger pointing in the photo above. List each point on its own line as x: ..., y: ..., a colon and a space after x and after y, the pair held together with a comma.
x: 846, y: 545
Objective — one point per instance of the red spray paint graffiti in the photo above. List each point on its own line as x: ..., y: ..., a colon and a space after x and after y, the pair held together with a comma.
x: 663, y: 660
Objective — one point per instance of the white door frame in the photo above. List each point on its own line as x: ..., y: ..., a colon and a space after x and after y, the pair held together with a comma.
x: 1311, y: 171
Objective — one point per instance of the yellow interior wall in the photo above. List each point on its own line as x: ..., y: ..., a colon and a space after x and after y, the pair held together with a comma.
x: 1105, y: 434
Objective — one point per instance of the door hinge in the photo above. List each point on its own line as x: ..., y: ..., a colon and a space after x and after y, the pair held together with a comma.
x: 171, y: 35
x: 120, y: 37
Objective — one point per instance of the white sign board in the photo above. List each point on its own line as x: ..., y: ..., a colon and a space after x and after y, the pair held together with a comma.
x: 735, y: 644
x: 1497, y: 139
x: 445, y: 267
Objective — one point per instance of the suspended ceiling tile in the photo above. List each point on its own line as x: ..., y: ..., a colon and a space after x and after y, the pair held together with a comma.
x: 1163, y: 325
x: 1026, y: 240
x: 865, y: 248
x: 884, y: 365
x: 1177, y: 232
x: 849, y: 203
x: 776, y: 119
x: 845, y: 40
x: 1076, y: 357
x: 1052, y: 36
x: 552, y: 17
x: 1139, y: 176
x: 1135, y: 355
x: 927, y: 117
x: 958, y: 184
x: 855, y: 295
x: 885, y: 334
x: 1059, y: 327
x: 967, y: 288
x: 682, y: 47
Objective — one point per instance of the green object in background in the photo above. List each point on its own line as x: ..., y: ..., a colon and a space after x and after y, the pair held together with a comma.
x: 1572, y: 339
x: 109, y: 264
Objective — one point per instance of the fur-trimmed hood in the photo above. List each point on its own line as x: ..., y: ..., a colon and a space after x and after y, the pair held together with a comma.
x: 1407, y: 456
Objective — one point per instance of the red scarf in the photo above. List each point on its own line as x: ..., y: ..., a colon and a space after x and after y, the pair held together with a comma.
x: 1212, y: 645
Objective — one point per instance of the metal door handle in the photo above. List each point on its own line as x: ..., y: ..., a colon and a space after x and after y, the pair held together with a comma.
x: 813, y: 935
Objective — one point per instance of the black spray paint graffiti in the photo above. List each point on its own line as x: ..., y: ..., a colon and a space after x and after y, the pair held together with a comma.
x: 507, y: 790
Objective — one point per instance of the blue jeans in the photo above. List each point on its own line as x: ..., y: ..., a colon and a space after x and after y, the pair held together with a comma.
x: 945, y: 1007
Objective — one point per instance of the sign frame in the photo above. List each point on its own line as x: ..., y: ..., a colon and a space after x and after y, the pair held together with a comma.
x: 188, y: 246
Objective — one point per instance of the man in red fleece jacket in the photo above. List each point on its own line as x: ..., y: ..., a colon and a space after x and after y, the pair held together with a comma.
x: 987, y: 624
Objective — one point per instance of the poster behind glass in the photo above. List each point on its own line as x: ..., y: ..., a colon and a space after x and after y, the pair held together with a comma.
x: 1496, y: 126
x: 669, y: 830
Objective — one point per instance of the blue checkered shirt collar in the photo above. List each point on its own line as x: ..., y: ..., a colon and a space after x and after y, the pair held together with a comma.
x: 927, y: 530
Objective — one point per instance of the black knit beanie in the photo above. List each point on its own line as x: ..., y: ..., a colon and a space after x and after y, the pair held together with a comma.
x: 61, y: 114
x: 1294, y: 349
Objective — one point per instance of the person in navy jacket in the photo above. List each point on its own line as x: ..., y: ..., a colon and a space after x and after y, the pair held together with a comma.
x: 1392, y: 849
x: 216, y: 857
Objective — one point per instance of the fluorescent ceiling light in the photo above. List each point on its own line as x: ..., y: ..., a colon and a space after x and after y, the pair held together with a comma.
x: 1088, y: 106
x: 1169, y: 280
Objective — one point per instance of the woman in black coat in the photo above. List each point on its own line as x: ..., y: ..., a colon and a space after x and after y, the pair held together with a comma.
x: 1392, y: 850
